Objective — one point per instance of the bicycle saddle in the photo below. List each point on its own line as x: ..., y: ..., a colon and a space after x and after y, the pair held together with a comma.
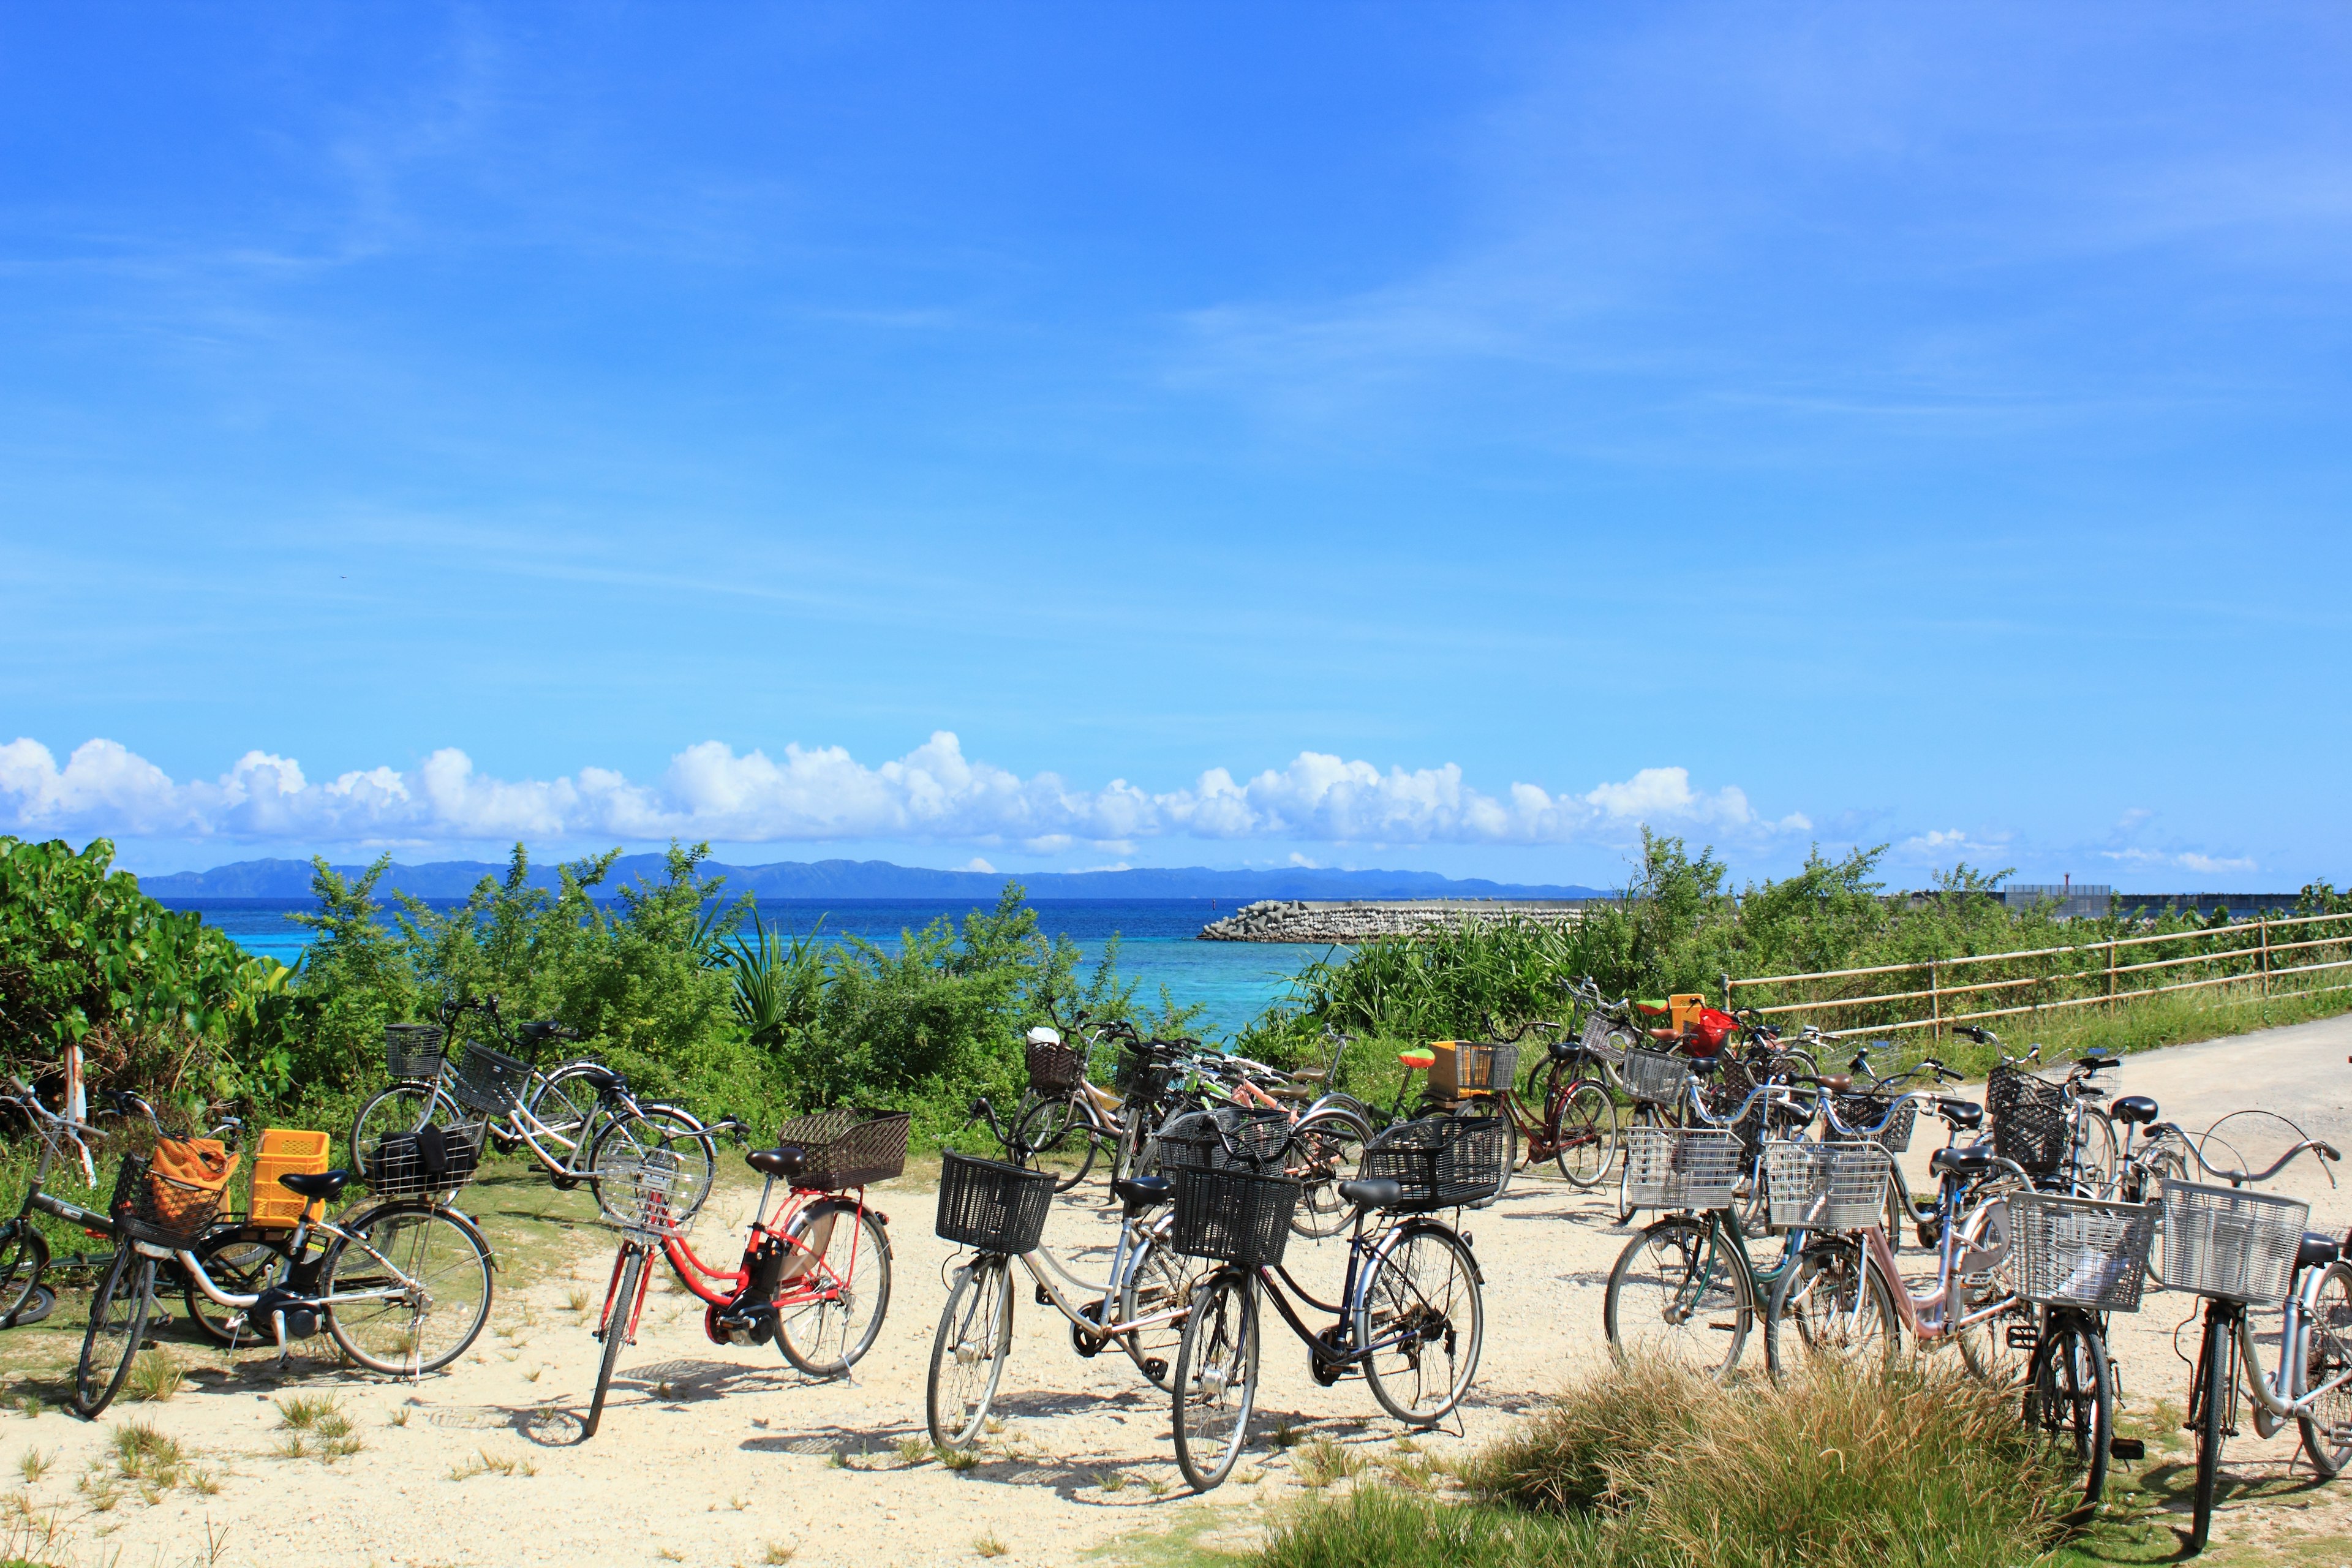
x: 2135, y: 1108
x: 1964, y: 1114
x: 603, y: 1081
x: 1972, y: 1162
x: 540, y: 1029
x: 318, y: 1184
x: 785, y: 1161
x: 1835, y: 1082
x: 2316, y: 1250
x: 1140, y: 1191
x: 1566, y: 1047
x: 1372, y: 1194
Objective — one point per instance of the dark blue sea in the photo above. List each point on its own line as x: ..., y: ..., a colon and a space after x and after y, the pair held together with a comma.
x: 1233, y: 981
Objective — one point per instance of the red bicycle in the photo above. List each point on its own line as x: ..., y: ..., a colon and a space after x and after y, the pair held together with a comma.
x: 814, y: 1276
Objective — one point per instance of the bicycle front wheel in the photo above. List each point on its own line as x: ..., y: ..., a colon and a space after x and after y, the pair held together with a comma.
x: 24, y: 1256
x: 2328, y: 1356
x: 1162, y: 1282
x: 627, y: 1140
x: 1678, y: 1291
x: 968, y: 1354
x: 1420, y: 1320
x: 1216, y: 1378
x: 1831, y: 1305
x: 2216, y: 1363
x: 1584, y: 1131
x: 618, y: 1309
x: 832, y: 1308
x: 2070, y: 1404
x: 1061, y: 1139
x: 403, y: 1108
x: 117, y: 1324
x: 407, y: 1289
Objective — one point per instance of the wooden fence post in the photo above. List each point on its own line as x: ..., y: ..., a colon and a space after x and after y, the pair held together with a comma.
x: 2111, y: 975
x: 2265, y: 918
x: 1934, y: 1004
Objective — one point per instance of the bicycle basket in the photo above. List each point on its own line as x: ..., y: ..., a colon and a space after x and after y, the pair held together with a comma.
x: 1054, y: 1068
x: 1681, y: 1167
x: 413, y: 1050
x: 163, y: 1210
x: 2079, y: 1252
x: 1657, y: 1076
x: 2228, y: 1242
x: 1250, y: 1141
x: 648, y: 1192
x: 1861, y: 1111
x: 489, y: 1082
x: 2029, y: 1118
x: 1439, y: 1162
x: 847, y: 1147
x: 1826, y: 1187
x: 284, y: 1151
x: 1234, y: 1216
x: 1600, y: 1042
x: 1464, y: 1067
x: 990, y: 1207
x: 432, y: 1162
x: 1733, y: 1084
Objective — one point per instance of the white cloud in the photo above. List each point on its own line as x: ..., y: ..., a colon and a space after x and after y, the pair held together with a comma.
x: 2183, y: 859
x: 977, y: 863
x: 815, y: 794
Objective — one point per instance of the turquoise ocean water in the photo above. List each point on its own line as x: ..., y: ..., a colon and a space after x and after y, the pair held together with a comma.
x: 1233, y: 981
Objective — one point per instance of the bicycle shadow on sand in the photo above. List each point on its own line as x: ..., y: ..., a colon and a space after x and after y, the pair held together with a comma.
x: 2156, y: 1523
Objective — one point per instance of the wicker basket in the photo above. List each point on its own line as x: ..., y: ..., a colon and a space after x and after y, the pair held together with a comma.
x: 847, y: 1147
x: 489, y: 1082
x: 1439, y: 1162
x: 2227, y: 1242
x: 1233, y: 1216
x: 432, y: 1162
x: 1463, y: 1069
x: 2029, y: 1118
x: 1864, y: 1111
x: 1826, y: 1187
x: 1227, y: 1139
x: 1054, y: 1068
x: 1656, y: 1076
x: 1681, y: 1167
x: 990, y: 1207
x: 159, y: 1210
x: 413, y: 1052
x: 2078, y: 1252
x: 649, y: 1193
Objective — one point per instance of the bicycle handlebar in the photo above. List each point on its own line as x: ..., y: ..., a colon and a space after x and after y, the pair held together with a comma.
x: 2327, y: 1152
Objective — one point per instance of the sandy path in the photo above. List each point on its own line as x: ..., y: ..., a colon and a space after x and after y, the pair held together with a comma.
x: 712, y: 1455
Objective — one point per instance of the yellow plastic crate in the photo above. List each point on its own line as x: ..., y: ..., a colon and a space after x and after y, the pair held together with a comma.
x: 1687, y: 1010
x: 285, y: 1152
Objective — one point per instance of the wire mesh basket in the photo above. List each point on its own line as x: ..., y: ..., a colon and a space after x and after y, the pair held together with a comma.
x: 1603, y: 1043
x: 1142, y: 1075
x: 2029, y: 1118
x: 990, y: 1207
x: 413, y: 1050
x: 1681, y: 1167
x: 648, y: 1192
x: 1732, y: 1086
x: 2228, y: 1242
x: 1054, y: 1068
x: 1225, y: 1139
x: 1657, y: 1076
x: 1439, y: 1162
x: 161, y: 1210
x: 848, y: 1147
x: 1464, y: 1066
x: 489, y: 1082
x: 1862, y: 1112
x: 1234, y: 1216
x: 1826, y: 1187
x: 430, y: 1161
x: 2080, y: 1252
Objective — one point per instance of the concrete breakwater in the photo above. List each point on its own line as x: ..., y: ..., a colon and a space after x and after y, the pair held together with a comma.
x: 1296, y: 919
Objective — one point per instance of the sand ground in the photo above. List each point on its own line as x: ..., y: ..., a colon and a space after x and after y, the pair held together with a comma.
x: 725, y: 1456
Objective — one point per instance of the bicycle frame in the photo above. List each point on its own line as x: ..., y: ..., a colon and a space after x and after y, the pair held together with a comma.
x: 1339, y: 1353
x: 296, y: 1247
x: 807, y: 1276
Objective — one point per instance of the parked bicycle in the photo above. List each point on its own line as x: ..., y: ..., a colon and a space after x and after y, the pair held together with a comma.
x: 25, y: 1296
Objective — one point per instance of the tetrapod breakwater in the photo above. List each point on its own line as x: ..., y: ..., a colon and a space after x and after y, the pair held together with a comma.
x: 1301, y: 920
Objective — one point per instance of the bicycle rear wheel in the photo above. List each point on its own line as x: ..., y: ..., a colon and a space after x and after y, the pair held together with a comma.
x: 1324, y: 1151
x: 1421, y: 1308
x: 834, y: 1308
x: 424, y: 1276
x: 2329, y: 1354
x: 403, y: 1108
x: 1161, y: 1280
x: 968, y: 1352
x: 240, y: 1268
x: 619, y: 1308
x: 117, y: 1324
x: 1679, y: 1291
x: 2070, y: 1402
x: 1489, y: 1105
x: 24, y: 1255
x: 1061, y: 1138
x: 1215, y: 1384
x: 1584, y: 1132
x: 1832, y: 1305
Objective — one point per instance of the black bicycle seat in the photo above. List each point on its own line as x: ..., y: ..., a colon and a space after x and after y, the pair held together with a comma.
x: 1705, y: 1067
x: 785, y: 1161
x: 603, y: 1081
x: 315, y: 1184
x: 2135, y: 1108
x: 1140, y: 1191
x: 1566, y: 1049
x: 2318, y: 1250
x: 1372, y: 1194
x: 1974, y: 1161
x: 1965, y: 1114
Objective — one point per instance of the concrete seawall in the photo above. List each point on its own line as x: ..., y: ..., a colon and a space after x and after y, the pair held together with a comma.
x: 1294, y: 920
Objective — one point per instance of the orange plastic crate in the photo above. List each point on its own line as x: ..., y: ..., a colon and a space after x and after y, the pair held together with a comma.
x: 286, y: 1151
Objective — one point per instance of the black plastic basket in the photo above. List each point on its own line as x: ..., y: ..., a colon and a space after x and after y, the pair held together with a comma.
x: 848, y: 1147
x: 990, y: 1207
x: 160, y: 1210
x: 1733, y: 1084
x: 414, y: 1051
x: 1864, y: 1111
x: 1054, y: 1068
x: 2029, y: 1118
x: 1233, y: 1216
x: 489, y: 1082
x: 1439, y: 1162
x: 1228, y: 1139
x: 432, y: 1162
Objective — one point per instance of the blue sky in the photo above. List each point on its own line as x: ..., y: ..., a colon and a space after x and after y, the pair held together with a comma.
x: 1068, y: 436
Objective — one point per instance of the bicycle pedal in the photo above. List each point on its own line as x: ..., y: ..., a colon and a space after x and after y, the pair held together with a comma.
x: 1043, y: 1298
x: 2022, y: 1337
x: 1154, y: 1368
x: 2127, y: 1449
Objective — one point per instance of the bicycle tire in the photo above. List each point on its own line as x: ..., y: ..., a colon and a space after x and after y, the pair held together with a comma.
x: 24, y: 1258
x: 1830, y: 1279
x: 1682, y: 1246
x: 676, y: 1131
x: 2328, y: 1354
x: 975, y: 1332
x: 562, y: 1101
x: 1585, y: 1105
x: 1325, y: 1149
x: 402, y: 1107
x: 1219, y: 1350
x: 1159, y: 1277
x: 241, y: 1265
x: 1044, y: 1129
x: 1424, y: 1277
x: 2096, y: 1152
x: 614, y: 1332
x: 2214, y: 1357
x: 438, y: 1250
x: 118, y: 1325
x: 1645, y: 1115
x: 862, y: 1269
x: 2070, y: 1399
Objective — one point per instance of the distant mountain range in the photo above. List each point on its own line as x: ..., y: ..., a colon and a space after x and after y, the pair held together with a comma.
x: 876, y: 879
